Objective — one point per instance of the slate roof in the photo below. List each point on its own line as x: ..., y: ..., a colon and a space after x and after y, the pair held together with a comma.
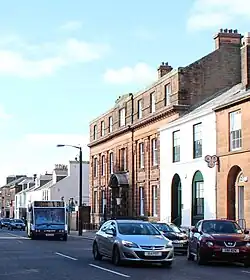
x: 14, y: 182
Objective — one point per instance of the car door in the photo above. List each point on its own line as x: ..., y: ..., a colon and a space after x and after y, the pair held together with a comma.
x: 101, y: 238
x: 110, y: 238
x: 194, y: 238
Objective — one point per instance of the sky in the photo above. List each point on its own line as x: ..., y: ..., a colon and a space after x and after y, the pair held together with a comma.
x: 63, y: 63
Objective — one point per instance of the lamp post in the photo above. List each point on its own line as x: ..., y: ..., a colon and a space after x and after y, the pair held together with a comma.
x: 80, y: 186
x: 105, y: 209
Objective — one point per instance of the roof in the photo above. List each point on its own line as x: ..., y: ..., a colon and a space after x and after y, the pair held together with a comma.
x: 47, y: 185
x: 119, y: 179
x: 209, y: 104
x: 14, y: 182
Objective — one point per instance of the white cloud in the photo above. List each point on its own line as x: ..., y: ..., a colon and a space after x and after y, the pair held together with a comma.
x: 25, y: 60
x: 207, y: 14
x: 71, y: 25
x: 141, y: 73
x: 37, y: 153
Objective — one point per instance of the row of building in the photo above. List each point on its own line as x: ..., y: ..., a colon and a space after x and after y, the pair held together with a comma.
x: 179, y: 150
x: 61, y: 184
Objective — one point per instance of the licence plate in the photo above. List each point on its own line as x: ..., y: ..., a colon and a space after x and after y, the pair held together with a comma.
x: 178, y: 244
x: 49, y: 234
x: 153, y: 254
x: 18, y: 226
x: 229, y: 250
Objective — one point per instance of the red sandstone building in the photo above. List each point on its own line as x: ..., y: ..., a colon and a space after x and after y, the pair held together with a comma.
x: 124, y: 142
x: 233, y: 149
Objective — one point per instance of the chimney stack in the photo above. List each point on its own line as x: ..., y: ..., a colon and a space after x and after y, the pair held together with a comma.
x: 227, y: 37
x: 245, y: 61
x: 164, y: 69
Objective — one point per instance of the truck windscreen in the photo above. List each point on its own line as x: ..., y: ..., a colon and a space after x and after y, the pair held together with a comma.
x: 54, y: 216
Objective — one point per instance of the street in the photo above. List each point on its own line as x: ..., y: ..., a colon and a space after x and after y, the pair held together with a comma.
x: 43, y: 259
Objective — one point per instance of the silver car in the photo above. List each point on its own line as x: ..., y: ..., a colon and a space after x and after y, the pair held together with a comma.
x: 132, y: 240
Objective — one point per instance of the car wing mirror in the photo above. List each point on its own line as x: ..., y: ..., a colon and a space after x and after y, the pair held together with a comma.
x: 194, y: 230
x: 246, y: 231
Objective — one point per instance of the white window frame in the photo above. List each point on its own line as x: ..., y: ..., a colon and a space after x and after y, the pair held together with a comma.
x: 141, y: 155
x: 141, y: 201
x: 102, y: 128
x: 110, y: 124
x: 103, y: 165
x: 122, y: 117
x: 235, y: 130
x: 139, y: 108
x: 111, y: 162
x: 154, y: 152
x: 95, y: 132
x: 167, y: 90
x: 152, y: 102
x: 154, y: 201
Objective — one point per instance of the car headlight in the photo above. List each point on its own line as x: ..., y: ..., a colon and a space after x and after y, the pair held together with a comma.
x: 248, y: 244
x: 169, y: 244
x: 210, y: 243
x: 129, y: 244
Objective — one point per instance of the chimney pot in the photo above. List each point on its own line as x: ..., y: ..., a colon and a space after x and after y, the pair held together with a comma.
x: 162, y: 63
x: 225, y: 30
x: 235, y: 31
x: 230, y: 30
x: 221, y: 30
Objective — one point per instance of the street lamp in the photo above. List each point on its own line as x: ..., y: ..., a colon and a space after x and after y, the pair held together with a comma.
x: 105, y: 209
x: 80, y: 185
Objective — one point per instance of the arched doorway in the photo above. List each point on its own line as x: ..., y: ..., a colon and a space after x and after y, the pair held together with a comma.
x: 197, y: 198
x: 231, y: 194
x: 176, y: 201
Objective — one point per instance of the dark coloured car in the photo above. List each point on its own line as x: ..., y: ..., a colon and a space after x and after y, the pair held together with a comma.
x: 4, y: 223
x: 178, y: 237
x: 219, y: 240
x: 16, y: 224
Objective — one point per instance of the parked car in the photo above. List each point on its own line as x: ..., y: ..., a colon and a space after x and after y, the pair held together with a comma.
x: 222, y: 240
x: 178, y: 237
x: 132, y: 240
x: 16, y: 224
x: 4, y: 222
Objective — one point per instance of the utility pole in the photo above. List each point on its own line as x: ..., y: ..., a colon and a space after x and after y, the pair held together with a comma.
x: 80, y: 194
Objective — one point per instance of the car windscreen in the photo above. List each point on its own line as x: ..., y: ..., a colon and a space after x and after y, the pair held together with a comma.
x: 175, y: 228
x: 221, y: 227
x: 137, y: 229
x: 163, y: 227
x: 6, y: 220
x: 55, y: 216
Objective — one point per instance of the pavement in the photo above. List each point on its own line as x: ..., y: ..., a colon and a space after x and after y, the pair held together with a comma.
x: 60, y: 260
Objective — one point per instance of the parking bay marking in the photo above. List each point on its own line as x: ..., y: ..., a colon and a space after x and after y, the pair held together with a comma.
x: 109, y: 270
x: 65, y: 256
x: 245, y: 271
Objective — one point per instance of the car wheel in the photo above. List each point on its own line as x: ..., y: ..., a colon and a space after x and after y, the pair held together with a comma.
x: 116, y: 258
x: 200, y: 258
x: 97, y: 256
x: 167, y: 264
x: 190, y: 257
x: 246, y: 263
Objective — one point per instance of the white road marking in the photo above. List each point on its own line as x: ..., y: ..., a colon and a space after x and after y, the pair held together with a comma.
x: 65, y: 256
x: 109, y: 270
x: 13, y: 237
x: 18, y: 236
x: 245, y: 271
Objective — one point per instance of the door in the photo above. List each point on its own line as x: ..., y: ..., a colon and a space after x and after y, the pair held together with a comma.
x: 101, y: 237
x: 110, y: 239
x: 194, y: 237
x: 241, y: 205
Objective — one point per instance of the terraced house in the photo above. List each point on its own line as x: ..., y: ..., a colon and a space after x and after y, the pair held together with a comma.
x: 124, y: 142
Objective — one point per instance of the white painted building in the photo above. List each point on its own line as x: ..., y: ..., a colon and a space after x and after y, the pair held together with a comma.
x: 187, y: 184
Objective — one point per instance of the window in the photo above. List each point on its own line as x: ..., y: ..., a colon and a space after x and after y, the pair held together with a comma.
x: 122, y: 159
x: 139, y: 108
x: 102, y: 128
x: 95, y: 132
x: 197, y: 141
x: 122, y: 117
x: 154, y: 200
x: 141, y: 154
x: 141, y: 200
x: 176, y: 146
x: 103, y: 165
x: 167, y: 94
x: 199, y: 198
x: 95, y: 202
x: 154, y: 152
x: 95, y: 167
x: 111, y: 163
x: 110, y: 124
x: 103, y: 201
x: 152, y: 102
x: 235, y: 130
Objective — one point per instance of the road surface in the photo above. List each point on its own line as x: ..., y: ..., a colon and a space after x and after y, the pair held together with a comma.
x: 21, y: 258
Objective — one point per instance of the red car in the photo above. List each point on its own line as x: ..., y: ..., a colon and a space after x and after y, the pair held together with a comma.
x: 219, y: 240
